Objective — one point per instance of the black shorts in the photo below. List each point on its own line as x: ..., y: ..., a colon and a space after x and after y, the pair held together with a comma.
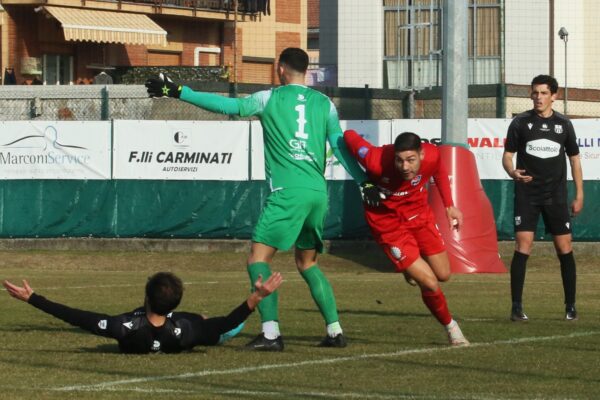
x: 556, y: 217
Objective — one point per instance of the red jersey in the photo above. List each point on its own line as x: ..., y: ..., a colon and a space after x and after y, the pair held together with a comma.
x: 406, y: 203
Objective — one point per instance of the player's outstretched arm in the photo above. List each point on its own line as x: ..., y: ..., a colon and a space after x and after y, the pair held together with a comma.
x: 263, y: 289
x: 22, y: 293
x: 335, y: 136
x: 83, y: 319
x: 163, y: 86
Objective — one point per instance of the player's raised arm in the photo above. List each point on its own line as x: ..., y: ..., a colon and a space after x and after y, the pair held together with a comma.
x: 212, y: 329
x: 163, y: 86
x: 264, y: 289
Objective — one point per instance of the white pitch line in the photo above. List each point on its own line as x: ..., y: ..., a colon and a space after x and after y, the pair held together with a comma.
x: 279, y: 394
x: 333, y: 360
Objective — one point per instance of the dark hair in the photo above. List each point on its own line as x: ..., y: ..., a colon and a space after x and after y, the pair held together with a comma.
x: 407, y: 141
x: 294, y: 58
x: 163, y: 292
x: 546, y: 80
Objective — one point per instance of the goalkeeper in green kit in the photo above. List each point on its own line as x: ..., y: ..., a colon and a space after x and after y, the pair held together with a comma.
x: 297, y: 121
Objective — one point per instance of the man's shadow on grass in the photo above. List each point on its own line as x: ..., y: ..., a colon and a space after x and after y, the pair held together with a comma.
x: 40, y: 328
x: 363, y: 252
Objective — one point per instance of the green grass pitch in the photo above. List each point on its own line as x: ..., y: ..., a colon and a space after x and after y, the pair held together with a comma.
x: 396, y: 349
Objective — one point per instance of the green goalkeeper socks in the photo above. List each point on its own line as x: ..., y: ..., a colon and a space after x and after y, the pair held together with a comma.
x: 268, y: 306
x: 322, y: 293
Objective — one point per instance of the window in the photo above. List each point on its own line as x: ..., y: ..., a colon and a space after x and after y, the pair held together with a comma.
x: 413, y: 42
x: 58, y: 69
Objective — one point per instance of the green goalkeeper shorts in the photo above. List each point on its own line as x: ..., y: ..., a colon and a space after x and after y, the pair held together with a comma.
x: 292, y: 216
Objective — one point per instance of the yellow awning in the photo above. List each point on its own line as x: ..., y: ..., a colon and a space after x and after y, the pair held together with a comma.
x: 108, y: 26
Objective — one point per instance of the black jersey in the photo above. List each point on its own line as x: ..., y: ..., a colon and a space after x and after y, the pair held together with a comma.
x: 135, y: 334
x: 541, y: 145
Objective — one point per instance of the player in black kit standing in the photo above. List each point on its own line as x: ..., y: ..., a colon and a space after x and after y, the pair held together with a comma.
x: 541, y: 137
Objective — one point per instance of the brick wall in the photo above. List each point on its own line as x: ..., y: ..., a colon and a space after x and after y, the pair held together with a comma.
x: 288, y: 11
x: 313, y: 13
x: 255, y: 72
x: 284, y: 40
x: 22, y: 37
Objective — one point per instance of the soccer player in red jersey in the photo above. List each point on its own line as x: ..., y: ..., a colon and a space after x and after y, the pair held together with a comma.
x: 401, y: 219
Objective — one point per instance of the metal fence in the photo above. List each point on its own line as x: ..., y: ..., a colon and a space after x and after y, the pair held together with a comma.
x: 105, y: 102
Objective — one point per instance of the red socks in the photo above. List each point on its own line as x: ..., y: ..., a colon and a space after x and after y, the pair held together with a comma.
x: 436, y: 302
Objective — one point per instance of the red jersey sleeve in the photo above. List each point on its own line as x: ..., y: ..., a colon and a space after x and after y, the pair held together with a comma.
x: 440, y: 175
x: 368, y: 156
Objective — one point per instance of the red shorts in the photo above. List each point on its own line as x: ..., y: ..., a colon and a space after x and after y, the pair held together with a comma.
x: 406, y: 245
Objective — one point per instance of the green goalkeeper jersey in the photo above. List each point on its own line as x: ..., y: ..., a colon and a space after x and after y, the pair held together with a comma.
x: 296, y: 121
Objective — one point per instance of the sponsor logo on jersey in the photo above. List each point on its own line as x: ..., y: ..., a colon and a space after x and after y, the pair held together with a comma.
x: 298, y: 150
x: 544, y: 128
x: 388, y: 192
x: 301, y: 97
x: 517, y: 220
x: 568, y: 225
x: 397, y: 253
x: 156, y: 345
x: 102, y: 324
x: 542, y: 148
x: 177, y: 331
x: 530, y: 125
x: 169, y: 315
x: 362, y: 152
x: 128, y: 325
x: 558, y: 129
x: 416, y: 180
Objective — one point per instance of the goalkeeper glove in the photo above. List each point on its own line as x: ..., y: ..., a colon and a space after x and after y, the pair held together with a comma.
x: 370, y: 193
x: 162, y: 86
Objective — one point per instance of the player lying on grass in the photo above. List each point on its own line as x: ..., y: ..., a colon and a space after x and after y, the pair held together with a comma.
x: 402, y: 221
x: 155, y: 327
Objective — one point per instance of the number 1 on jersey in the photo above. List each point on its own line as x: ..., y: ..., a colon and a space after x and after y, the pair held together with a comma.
x: 301, y: 121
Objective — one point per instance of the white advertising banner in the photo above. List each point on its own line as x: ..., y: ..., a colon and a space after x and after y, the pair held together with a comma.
x: 429, y: 130
x: 486, y: 141
x: 55, y: 150
x: 588, y: 138
x: 181, y: 150
x: 257, y: 169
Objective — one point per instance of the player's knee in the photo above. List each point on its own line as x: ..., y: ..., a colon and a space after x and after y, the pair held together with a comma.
x: 429, y: 285
x: 524, y: 246
x: 443, y: 276
x: 563, y: 248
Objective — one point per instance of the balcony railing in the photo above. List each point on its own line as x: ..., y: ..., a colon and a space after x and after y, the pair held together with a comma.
x: 244, y: 7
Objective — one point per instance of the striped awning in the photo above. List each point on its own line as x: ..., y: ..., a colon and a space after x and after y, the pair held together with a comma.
x: 108, y: 26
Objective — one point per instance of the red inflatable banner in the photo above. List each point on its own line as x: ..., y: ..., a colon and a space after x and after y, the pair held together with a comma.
x: 474, y: 248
